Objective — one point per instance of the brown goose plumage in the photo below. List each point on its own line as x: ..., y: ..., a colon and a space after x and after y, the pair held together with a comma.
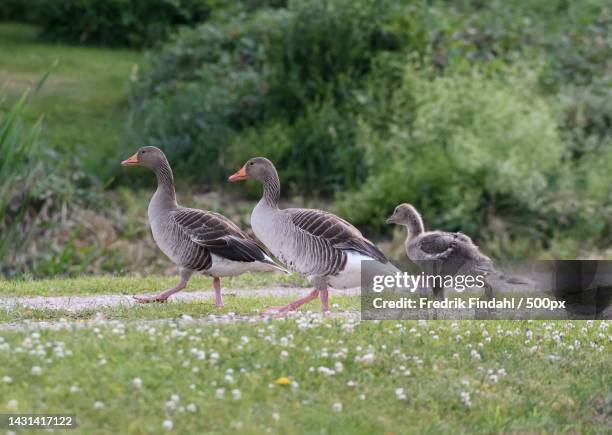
x: 195, y: 240
x: 324, y: 248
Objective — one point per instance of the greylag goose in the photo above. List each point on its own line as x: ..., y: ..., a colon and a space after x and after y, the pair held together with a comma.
x: 322, y: 247
x: 448, y: 253
x: 195, y: 240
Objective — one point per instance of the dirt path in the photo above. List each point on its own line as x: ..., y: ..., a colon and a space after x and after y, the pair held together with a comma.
x: 86, y: 302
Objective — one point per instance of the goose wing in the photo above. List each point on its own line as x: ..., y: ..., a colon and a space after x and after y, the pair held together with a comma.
x: 219, y: 235
x: 336, y: 231
x: 455, y: 250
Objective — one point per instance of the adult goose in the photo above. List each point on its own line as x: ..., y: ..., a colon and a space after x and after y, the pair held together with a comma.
x: 195, y: 240
x: 443, y: 253
x: 322, y: 247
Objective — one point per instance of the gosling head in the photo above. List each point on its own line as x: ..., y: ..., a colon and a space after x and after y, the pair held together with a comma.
x: 405, y: 214
x: 257, y: 168
x: 149, y: 157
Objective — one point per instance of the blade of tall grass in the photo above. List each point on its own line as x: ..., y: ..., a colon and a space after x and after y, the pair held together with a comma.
x: 19, y: 172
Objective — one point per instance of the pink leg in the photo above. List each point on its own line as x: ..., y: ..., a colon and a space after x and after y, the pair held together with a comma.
x: 163, y: 296
x: 218, y: 297
x: 293, y: 305
x: 325, y: 300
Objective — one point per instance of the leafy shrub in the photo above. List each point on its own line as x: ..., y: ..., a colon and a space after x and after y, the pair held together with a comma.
x: 472, y: 149
x: 133, y: 23
x: 16, y: 10
x: 299, y: 66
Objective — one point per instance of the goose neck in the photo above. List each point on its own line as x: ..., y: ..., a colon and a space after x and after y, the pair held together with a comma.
x: 271, y: 190
x: 165, y: 183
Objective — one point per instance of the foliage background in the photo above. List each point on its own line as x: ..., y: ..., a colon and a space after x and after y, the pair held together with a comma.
x: 493, y: 118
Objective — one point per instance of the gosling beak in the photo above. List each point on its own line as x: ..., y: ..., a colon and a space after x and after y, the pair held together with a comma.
x: 240, y: 175
x: 131, y: 161
x: 390, y: 220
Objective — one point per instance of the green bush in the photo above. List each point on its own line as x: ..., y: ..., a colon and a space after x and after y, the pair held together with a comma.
x: 465, y: 149
x: 133, y: 23
x: 14, y: 10
x: 301, y: 67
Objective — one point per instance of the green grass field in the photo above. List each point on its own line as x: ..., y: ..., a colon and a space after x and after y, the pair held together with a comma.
x: 345, y: 376
x: 84, y: 99
x: 173, y: 367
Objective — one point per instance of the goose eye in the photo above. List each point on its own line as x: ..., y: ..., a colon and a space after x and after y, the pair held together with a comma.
x: 251, y: 164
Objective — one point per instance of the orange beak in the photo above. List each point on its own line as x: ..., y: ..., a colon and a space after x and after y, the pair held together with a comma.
x: 240, y: 175
x: 131, y: 161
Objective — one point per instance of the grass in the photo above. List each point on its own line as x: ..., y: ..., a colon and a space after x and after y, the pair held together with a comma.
x: 83, y: 100
x: 346, y: 376
x: 98, y: 285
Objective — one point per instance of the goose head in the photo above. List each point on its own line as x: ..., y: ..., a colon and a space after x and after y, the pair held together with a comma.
x: 405, y: 214
x: 149, y: 157
x: 257, y: 168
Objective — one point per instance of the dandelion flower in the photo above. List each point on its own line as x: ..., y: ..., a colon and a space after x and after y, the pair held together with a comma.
x: 283, y: 381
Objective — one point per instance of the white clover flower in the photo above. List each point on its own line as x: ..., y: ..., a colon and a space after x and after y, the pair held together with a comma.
x: 12, y: 405
x: 465, y: 399
x: 368, y: 358
x: 284, y: 354
x: 192, y: 407
x: 36, y: 370
x: 7, y: 379
x: 236, y: 394
x: 337, y: 407
x: 175, y: 398
x: 137, y: 382
x: 74, y: 389
x: 170, y: 405
x: 338, y: 367
x: 400, y: 394
x: 98, y: 405
x: 219, y: 393
x: 326, y: 371
x: 167, y: 424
